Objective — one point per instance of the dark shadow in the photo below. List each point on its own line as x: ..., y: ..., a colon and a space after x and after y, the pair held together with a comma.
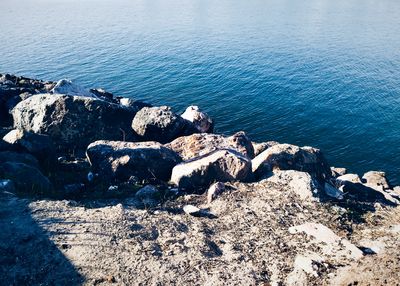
x: 27, y: 256
x: 358, y: 200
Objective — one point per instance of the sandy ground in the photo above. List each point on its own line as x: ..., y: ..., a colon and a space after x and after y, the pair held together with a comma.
x: 242, y: 238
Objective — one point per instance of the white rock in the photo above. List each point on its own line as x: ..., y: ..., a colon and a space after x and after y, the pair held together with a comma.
x: 200, y: 119
x: 191, y: 210
x: 352, y: 178
x: 65, y: 86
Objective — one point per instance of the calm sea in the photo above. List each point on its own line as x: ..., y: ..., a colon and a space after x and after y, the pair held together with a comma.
x: 324, y: 73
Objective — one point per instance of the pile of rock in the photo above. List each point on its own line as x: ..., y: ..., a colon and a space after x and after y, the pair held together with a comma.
x: 129, y: 141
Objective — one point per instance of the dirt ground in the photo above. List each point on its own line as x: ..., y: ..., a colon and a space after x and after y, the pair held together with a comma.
x: 241, y: 238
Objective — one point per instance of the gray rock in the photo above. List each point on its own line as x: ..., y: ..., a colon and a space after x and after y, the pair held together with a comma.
x: 73, y: 122
x: 25, y: 158
x: 221, y: 165
x: 27, y: 179
x: 40, y: 146
x: 214, y: 191
x: 160, y: 124
x: 121, y: 160
x: 201, y: 120
x: 291, y: 157
x: 189, y: 147
x: 149, y: 195
x: 300, y: 183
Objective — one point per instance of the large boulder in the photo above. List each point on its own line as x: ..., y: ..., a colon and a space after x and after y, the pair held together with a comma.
x: 27, y: 179
x: 160, y: 124
x: 220, y: 165
x: 39, y: 145
x: 291, y: 157
x: 121, y: 160
x: 201, y: 120
x: 189, y: 147
x: 73, y: 122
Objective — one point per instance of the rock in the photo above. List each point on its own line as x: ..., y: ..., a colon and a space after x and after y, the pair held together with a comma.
x: 291, y: 157
x: 121, y: 160
x: 131, y: 103
x: 189, y: 147
x: 40, y: 146
x: 221, y: 165
x: 7, y: 186
x: 160, y: 124
x: 191, y: 210
x: 332, y: 244
x: 333, y: 192
x: 300, y: 183
x: 376, y: 180
x: 102, y: 94
x: 214, y: 191
x: 148, y: 195
x: 10, y: 156
x: 261, y: 147
x: 65, y: 86
x: 201, y: 120
x: 336, y: 172
x: 73, y: 122
x: 352, y: 178
x: 27, y: 179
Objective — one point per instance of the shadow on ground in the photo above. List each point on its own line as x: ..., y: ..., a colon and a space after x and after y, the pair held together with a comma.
x: 27, y: 256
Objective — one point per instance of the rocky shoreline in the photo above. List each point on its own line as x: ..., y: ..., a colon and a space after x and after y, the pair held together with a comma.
x: 61, y: 141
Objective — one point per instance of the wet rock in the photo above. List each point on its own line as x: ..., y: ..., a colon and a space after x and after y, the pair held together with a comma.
x: 214, y: 191
x: 261, y: 147
x: 10, y: 156
x: 27, y: 179
x: 201, y: 120
x: 73, y: 122
x: 376, y: 180
x: 160, y: 124
x: 189, y: 147
x: 300, y: 183
x: 121, y: 160
x: 221, y: 165
x: 337, y: 172
x: 291, y: 157
x: 40, y: 146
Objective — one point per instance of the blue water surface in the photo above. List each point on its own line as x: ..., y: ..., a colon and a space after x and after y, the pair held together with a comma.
x: 324, y: 73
